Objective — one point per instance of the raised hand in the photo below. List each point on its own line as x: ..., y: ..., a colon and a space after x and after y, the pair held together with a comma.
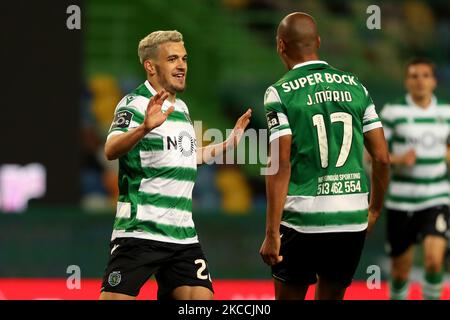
x: 154, y: 117
x: 238, y: 130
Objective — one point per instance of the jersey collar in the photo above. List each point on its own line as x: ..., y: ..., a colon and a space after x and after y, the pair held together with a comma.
x: 153, y: 92
x: 150, y: 88
x: 299, y: 65
x: 411, y: 102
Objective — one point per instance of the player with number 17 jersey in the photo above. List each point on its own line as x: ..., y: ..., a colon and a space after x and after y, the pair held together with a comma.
x: 326, y: 111
x: 320, y: 120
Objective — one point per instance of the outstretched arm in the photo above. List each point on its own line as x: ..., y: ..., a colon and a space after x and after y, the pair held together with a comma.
x: 208, y: 153
x: 120, y: 144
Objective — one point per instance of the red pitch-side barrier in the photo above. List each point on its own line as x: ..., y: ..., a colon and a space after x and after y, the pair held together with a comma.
x: 48, y: 289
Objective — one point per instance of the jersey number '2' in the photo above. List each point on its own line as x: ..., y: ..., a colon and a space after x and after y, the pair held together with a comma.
x: 319, y: 123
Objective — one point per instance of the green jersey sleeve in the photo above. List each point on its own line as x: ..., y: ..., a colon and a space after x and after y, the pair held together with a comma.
x: 371, y: 120
x: 277, y: 120
x: 126, y: 116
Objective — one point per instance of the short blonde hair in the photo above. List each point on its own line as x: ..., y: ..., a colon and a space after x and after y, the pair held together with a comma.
x: 148, y: 46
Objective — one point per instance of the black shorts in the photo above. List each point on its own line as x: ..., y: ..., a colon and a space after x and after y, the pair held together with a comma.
x: 405, y: 228
x: 133, y: 261
x: 333, y: 256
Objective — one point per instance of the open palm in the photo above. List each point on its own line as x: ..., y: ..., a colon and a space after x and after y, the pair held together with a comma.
x: 154, y: 116
x: 239, y: 128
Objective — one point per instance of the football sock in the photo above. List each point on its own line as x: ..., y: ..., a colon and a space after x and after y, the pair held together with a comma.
x: 432, y: 286
x: 398, y: 289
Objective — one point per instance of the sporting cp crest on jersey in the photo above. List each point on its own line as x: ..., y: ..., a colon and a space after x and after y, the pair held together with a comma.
x: 114, y: 278
x: 441, y: 224
x: 272, y: 119
x: 122, y: 120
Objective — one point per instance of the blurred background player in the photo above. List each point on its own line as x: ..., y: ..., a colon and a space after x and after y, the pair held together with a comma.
x: 318, y: 213
x: 155, y: 142
x: 417, y: 128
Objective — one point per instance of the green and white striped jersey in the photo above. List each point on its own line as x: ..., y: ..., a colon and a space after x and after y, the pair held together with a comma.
x: 408, y: 126
x: 157, y: 176
x: 326, y: 111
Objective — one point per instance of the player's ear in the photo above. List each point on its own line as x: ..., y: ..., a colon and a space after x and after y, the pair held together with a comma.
x: 318, y: 42
x: 149, y: 67
x: 281, y: 46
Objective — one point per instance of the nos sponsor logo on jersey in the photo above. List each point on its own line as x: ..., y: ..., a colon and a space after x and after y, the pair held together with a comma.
x: 185, y: 143
x: 428, y: 140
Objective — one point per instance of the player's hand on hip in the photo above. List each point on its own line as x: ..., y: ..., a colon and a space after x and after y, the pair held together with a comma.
x: 154, y: 116
x: 239, y: 128
x: 270, y: 250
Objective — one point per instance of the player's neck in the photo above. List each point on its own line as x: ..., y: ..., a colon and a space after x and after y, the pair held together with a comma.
x: 422, y: 101
x: 171, y: 97
x: 155, y: 85
x: 302, y: 59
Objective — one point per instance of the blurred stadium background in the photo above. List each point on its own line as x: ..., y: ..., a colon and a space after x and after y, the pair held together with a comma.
x: 57, y: 191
